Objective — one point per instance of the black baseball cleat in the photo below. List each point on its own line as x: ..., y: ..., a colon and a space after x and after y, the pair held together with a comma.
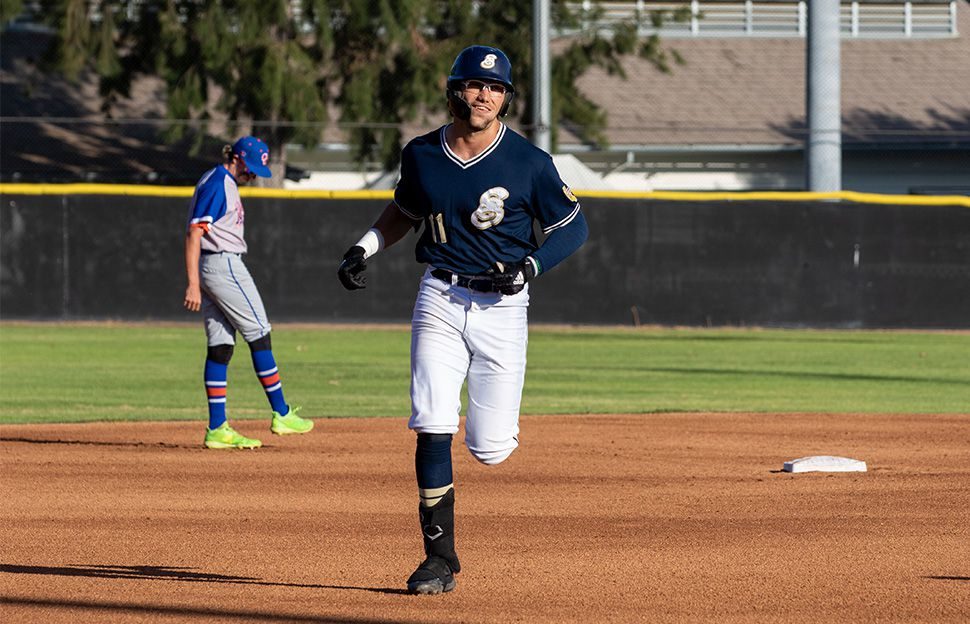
x: 433, y: 576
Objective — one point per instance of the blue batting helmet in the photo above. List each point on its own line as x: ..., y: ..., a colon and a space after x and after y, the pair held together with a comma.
x: 484, y: 63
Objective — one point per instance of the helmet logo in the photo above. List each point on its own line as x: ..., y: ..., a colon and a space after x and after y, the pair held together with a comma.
x: 488, y: 62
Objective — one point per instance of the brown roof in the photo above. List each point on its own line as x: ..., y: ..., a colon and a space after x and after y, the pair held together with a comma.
x: 752, y: 91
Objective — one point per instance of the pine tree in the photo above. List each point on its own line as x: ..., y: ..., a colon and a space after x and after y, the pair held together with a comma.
x: 397, y: 72
x: 257, y: 62
x: 9, y: 9
x: 283, y: 63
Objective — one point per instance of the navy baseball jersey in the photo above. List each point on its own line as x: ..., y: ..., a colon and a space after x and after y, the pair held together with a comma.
x: 482, y: 210
x: 217, y: 208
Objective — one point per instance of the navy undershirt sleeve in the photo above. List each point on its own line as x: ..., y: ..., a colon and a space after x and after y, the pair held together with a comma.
x: 561, y: 243
x: 558, y: 211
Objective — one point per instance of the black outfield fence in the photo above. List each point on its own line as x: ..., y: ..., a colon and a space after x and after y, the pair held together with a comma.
x: 779, y: 261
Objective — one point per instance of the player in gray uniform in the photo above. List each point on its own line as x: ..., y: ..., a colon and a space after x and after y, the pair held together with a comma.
x: 219, y: 284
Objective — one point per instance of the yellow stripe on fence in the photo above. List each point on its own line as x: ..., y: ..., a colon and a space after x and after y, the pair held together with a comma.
x: 96, y: 189
x: 144, y: 190
x: 851, y: 196
x: 186, y: 191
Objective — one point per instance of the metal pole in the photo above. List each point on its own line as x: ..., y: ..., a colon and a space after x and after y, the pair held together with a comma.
x: 823, y: 150
x: 541, y: 81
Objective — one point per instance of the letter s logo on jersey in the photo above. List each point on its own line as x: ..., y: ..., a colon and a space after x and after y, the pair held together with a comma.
x: 491, y: 208
x: 488, y: 62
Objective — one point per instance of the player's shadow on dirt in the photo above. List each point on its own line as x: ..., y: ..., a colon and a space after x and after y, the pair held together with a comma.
x: 101, y: 443
x: 948, y: 578
x: 162, y: 573
x: 183, y: 614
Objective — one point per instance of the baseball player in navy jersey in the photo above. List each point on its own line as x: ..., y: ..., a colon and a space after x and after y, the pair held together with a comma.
x: 477, y: 187
x: 220, y: 286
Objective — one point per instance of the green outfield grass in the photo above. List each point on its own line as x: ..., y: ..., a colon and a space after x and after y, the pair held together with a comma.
x: 70, y: 373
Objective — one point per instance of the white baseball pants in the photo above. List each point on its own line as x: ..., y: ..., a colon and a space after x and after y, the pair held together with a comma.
x: 459, y: 334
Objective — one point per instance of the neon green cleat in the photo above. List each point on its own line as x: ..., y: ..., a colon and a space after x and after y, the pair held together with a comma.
x: 291, y: 423
x: 225, y: 437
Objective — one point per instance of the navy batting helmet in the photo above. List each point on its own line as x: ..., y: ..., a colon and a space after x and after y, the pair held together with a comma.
x: 484, y: 63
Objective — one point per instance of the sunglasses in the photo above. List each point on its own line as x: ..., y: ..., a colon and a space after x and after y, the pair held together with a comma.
x: 474, y: 87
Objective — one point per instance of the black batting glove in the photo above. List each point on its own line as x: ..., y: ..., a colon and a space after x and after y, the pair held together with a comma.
x: 510, y: 279
x: 351, y: 270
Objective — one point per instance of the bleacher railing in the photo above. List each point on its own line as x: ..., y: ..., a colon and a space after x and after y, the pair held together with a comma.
x: 764, y: 18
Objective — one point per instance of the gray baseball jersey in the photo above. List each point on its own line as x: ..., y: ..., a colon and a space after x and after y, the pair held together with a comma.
x: 217, y: 208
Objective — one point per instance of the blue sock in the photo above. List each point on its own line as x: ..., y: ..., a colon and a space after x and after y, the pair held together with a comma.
x: 269, y: 376
x: 215, y: 389
x: 432, y: 465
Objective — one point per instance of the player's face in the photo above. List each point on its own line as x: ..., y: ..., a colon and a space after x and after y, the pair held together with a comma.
x: 485, y: 99
x: 243, y: 174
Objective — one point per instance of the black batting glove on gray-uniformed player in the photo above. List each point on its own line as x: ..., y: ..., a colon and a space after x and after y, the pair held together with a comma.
x: 351, y: 270
x: 510, y: 279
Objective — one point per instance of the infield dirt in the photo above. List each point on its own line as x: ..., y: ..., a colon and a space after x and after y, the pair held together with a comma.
x: 625, y: 518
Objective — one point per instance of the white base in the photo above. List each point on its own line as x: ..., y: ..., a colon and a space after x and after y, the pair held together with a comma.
x: 824, y: 463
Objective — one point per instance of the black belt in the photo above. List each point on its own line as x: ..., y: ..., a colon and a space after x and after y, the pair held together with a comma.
x: 480, y: 283
x: 206, y: 252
